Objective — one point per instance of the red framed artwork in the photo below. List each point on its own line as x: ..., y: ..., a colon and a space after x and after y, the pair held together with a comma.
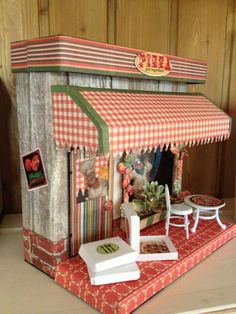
x: 34, y: 169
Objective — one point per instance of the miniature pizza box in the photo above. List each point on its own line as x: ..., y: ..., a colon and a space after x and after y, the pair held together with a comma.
x: 106, y: 254
x: 149, y: 248
x: 118, y: 274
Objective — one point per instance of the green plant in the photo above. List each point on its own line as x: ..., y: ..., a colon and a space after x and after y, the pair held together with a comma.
x: 153, y: 195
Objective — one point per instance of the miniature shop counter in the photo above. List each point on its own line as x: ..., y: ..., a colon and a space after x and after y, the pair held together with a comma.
x: 99, y: 147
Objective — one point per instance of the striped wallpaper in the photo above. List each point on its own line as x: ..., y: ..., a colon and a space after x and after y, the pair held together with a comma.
x: 89, y: 221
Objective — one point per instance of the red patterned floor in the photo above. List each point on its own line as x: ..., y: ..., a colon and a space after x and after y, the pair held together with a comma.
x: 125, y: 297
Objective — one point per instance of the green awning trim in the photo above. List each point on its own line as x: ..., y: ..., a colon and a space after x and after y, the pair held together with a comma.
x: 101, y: 125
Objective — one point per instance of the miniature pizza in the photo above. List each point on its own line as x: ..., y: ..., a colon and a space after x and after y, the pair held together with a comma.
x: 206, y: 200
x: 152, y: 247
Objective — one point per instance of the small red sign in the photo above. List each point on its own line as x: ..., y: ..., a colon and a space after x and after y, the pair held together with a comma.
x: 34, y: 169
x: 153, y: 64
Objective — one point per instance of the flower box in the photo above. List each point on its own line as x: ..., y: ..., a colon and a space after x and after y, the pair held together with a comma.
x: 147, y: 221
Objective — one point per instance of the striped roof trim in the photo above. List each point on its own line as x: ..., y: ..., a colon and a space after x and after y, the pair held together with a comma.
x: 63, y: 53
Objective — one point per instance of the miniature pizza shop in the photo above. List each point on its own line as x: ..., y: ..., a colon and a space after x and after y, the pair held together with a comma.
x: 104, y: 131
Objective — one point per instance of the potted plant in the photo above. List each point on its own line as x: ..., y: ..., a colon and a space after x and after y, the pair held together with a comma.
x: 150, y: 208
x: 154, y: 195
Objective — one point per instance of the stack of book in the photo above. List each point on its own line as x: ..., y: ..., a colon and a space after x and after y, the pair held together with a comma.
x: 110, y: 260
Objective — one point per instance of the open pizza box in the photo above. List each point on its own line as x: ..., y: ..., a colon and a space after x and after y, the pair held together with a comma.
x: 149, y: 248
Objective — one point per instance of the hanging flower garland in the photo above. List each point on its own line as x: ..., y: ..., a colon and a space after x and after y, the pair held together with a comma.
x: 125, y: 168
x: 180, y: 153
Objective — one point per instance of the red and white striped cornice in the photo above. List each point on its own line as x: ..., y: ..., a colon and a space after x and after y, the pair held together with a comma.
x: 63, y: 53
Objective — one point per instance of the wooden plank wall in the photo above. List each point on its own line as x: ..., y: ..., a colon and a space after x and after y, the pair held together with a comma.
x: 201, y: 29
x: 19, y: 20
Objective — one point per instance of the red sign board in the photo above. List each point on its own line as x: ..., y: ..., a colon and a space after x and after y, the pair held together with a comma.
x: 153, y: 64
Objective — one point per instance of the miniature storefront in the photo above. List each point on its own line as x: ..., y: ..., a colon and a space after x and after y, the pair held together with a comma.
x: 81, y: 105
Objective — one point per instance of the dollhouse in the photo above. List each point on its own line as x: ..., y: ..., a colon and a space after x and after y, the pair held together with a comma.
x: 87, y: 113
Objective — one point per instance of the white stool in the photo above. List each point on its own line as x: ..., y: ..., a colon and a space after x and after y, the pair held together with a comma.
x: 179, y: 211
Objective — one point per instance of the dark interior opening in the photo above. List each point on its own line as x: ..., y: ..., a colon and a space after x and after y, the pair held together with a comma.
x: 164, y: 174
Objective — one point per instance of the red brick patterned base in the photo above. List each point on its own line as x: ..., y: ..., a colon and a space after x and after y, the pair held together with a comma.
x: 43, y: 253
x: 125, y: 297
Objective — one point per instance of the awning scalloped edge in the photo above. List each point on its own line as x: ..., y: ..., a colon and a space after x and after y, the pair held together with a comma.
x: 69, y: 147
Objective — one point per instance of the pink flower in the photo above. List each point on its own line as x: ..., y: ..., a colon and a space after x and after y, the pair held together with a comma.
x: 175, y: 150
x: 108, y: 205
x: 130, y: 189
x: 121, y: 167
x: 183, y: 194
x: 126, y: 182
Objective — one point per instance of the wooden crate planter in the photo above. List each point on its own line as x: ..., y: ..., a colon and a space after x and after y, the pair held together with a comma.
x: 147, y: 221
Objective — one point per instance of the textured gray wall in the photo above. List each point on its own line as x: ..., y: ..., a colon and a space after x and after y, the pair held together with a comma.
x: 44, y: 210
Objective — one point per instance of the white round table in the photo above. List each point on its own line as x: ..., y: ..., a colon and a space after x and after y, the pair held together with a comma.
x: 205, y: 212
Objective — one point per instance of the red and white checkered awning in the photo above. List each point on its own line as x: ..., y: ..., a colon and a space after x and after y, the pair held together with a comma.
x: 116, y: 121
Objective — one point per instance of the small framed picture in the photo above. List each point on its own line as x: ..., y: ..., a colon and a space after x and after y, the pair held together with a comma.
x: 34, y: 169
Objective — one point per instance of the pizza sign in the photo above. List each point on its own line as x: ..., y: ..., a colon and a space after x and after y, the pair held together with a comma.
x: 153, y: 64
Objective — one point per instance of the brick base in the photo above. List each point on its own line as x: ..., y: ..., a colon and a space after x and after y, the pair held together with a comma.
x: 125, y: 297
x: 43, y: 253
